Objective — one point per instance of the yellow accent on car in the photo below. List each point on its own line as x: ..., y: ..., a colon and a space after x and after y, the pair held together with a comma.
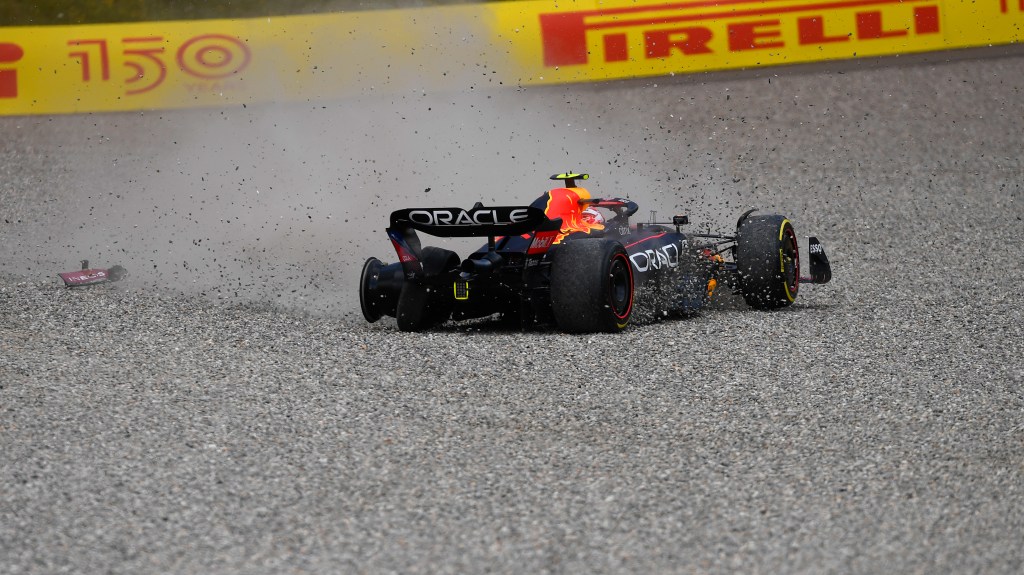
x: 572, y: 176
x: 782, y: 262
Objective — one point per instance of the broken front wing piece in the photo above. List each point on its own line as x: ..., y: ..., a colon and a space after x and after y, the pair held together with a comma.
x: 90, y: 276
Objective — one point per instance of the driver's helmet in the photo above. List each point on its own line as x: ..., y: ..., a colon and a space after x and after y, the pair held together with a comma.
x: 592, y: 216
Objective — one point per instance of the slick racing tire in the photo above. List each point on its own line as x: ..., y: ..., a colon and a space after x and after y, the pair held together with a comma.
x: 591, y: 286
x: 768, y: 261
x: 422, y: 305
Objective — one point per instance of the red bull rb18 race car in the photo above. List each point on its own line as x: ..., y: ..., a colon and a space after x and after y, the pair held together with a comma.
x: 578, y: 263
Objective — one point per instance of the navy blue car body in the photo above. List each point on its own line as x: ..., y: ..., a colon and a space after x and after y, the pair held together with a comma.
x: 549, y: 263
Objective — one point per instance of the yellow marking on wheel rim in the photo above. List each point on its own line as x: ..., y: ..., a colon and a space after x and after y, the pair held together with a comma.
x: 782, y: 263
x: 782, y: 228
x: 782, y: 270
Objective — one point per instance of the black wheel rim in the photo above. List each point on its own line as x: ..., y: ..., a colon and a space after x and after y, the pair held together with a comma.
x: 621, y: 291
x: 790, y: 262
x: 368, y: 289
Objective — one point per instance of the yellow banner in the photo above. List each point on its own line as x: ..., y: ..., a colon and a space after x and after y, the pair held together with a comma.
x: 58, y: 69
x: 154, y: 65
x: 627, y: 39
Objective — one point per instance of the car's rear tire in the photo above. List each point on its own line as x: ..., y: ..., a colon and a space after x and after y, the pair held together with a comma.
x: 426, y: 303
x: 369, y: 296
x: 768, y: 261
x: 591, y: 286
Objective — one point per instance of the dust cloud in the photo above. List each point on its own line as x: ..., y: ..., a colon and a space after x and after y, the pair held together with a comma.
x: 275, y: 203
x: 281, y: 203
x: 285, y: 202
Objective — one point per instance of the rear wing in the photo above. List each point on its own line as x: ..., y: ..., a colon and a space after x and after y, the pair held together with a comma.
x: 478, y: 221
x: 481, y: 221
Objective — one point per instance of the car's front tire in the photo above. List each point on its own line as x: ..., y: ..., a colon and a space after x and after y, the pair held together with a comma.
x: 768, y: 261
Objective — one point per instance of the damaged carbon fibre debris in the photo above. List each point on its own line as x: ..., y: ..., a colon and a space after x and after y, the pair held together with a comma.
x: 91, y: 276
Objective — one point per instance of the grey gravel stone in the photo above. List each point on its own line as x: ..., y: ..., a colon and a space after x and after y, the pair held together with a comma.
x: 226, y: 409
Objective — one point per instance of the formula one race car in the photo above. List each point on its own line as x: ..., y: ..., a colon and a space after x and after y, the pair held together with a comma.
x: 577, y: 262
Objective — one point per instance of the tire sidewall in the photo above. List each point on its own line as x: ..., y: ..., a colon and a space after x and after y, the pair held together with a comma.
x: 370, y: 310
x: 620, y: 288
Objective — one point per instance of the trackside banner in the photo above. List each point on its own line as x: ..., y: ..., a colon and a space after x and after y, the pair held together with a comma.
x: 154, y: 65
